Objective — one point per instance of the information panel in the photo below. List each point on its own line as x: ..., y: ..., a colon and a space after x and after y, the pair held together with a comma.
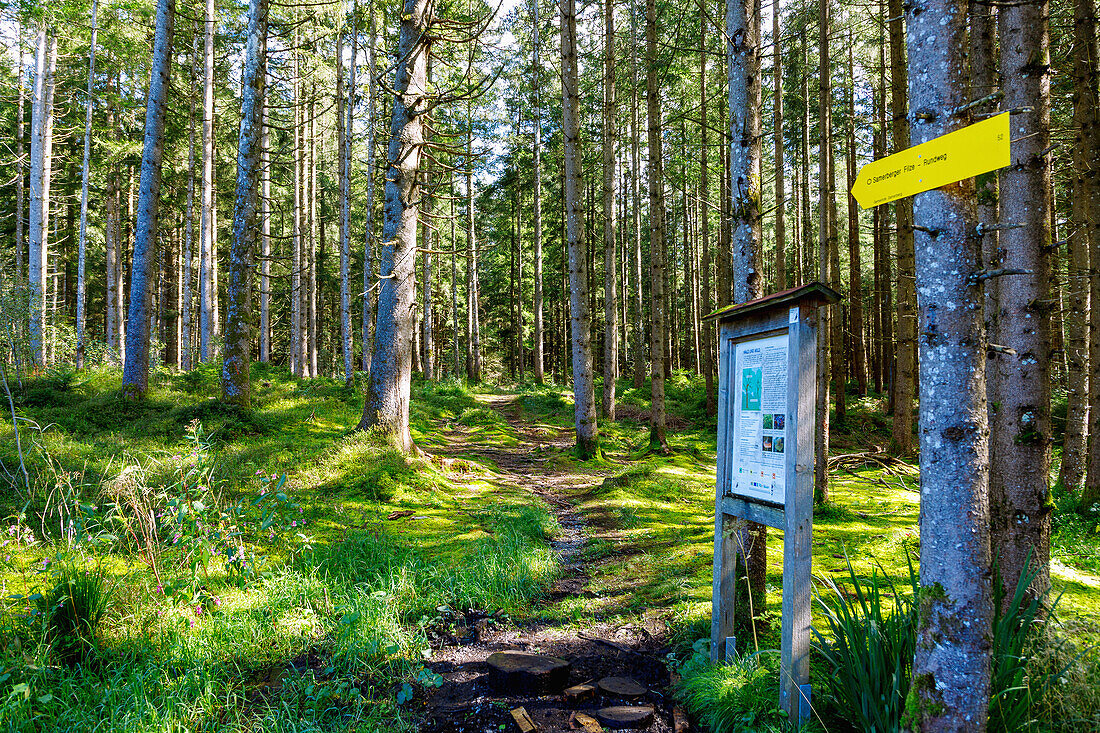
x: 758, y: 448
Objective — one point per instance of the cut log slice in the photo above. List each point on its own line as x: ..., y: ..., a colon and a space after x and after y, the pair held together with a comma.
x: 526, y: 673
x: 626, y: 716
x: 622, y: 687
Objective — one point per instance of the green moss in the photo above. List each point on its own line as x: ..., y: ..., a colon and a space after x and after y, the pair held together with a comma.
x: 922, y: 701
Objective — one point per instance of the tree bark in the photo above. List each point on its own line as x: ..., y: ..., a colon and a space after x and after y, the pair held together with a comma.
x: 473, y: 297
x: 186, y: 310
x: 747, y: 255
x: 610, y: 196
x: 368, y: 213
x: 82, y: 246
x: 905, y: 371
x: 1020, y: 421
x: 536, y: 64
x: 855, y: 273
x: 640, y: 366
x: 265, y: 235
x: 584, y: 395
x: 824, y: 251
x: 297, y: 216
x: 40, y: 175
x: 780, y: 169
x: 386, y: 408
x: 1087, y: 122
x: 20, y: 167
x: 135, y: 373
x: 207, y: 239
x: 951, y: 669
x: 246, y: 212
x: 656, y: 178
x: 708, y: 343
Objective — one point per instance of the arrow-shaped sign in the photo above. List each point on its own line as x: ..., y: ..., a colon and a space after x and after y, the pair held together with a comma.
x: 971, y: 151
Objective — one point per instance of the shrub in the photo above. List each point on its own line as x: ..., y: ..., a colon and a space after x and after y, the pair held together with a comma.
x: 739, y: 697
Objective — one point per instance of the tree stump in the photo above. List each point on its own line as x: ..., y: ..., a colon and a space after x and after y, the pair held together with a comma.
x: 527, y: 673
x: 622, y: 687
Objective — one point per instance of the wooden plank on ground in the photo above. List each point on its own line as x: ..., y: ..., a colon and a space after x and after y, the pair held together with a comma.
x: 524, y: 721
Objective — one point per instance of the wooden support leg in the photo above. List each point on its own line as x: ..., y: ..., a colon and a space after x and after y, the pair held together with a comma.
x: 725, y: 576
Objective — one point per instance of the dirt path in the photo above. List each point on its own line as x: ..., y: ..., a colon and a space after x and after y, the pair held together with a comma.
x: 595, y: 648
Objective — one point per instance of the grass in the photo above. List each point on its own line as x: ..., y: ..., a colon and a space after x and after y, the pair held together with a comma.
x: 328, y: 634
x: 652, y: 540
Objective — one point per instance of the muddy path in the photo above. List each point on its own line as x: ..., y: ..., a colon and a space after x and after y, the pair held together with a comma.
x: 473, y: 698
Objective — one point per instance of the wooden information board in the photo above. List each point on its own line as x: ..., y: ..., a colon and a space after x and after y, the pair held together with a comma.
x: 767, y: 390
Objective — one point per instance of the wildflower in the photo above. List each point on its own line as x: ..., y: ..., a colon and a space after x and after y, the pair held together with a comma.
x: 192, y: 623
x: 259, y: 471
x: 160, y: 587
x: 217, y: 601
x: 198, y: 610
x: 263, y: 491
x: 294, y: 524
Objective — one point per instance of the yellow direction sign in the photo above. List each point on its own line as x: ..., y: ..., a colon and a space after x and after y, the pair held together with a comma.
x: 971, y: 151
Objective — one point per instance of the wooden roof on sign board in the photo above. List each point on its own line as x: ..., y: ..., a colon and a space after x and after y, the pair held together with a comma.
x: 810, y: 294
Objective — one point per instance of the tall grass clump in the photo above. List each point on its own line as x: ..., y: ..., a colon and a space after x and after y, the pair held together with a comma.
x: 72, y: 610
x: 872, y: 635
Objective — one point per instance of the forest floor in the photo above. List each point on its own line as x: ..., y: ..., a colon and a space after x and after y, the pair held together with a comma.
x: 595, y: 649
x: 385, y: 582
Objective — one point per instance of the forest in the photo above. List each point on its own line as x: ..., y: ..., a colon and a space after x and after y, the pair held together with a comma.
x: 361, y: 365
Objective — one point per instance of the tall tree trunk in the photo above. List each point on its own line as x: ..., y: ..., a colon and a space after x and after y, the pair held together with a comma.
x: 246, y: 211
x: 610, y: 195
x: 747, y: 250
x: 827, y: 315
x: 20, y: 166
x: 135, y: 373
x: 536, y: 66
x: 584, y: 394
x: 984, y: 81
x: 473, y: 335
x: 807, y: 222
x: 112, y: 245
x: 40, y: 176
x: 265, y: 234
x: 81, y: 256
x: 951, y: 669
x: 1087, y: 122
x: 298, y: 222
x: 427, y: 336
x: 905, y: 372
x: 207, y: 234
x: 387, y: 405
x: 368, y: 214
x: 344, y: 126
x: 708, y: 343
x: 316, y: 237
x: 456, y: 367
x: 186, y: 312
x: 640, y: 365
x: 1019, y: 430
x: 656, y: 178
x: 780, y: 169
x: 855, y: 273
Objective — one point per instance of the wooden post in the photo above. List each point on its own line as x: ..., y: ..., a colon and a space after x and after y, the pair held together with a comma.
x: 784, y: 320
